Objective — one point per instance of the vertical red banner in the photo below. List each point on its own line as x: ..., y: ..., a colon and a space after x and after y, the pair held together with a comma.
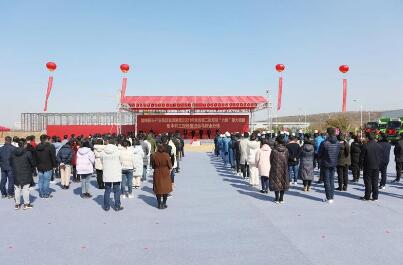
x: 50, y: 84
x: 123, y: 92
x: 344, y: 107
x: 280, y: 92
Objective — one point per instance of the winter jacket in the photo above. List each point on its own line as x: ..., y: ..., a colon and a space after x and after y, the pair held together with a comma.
x: 146, y: 151
x: 355, y: 151
x: 5, y: 155
x: 244, y: 150
x: 278, y: 178
x: 225, y: 145
x: 138, y: 160
x: 173, y: 153
x: 161, y: 163
x: 112, y: 169
x: 318, y: 141
x: 371, y: 156
x: 252, y: 148
x: 294, y: 150
x: 399, y: 151
x: 57, y: 146
x: 45, y: 157
x: 65, y: 155
x: 153, y: 143
x: 329, y: 152
x: 262, y: 160
x: 126, y: 157
x: 85, y: 161
x: 98, y: 149
x: 237, y: 149
x: 385, y: 155
x: 21, y: 162
x: 344, y: 158
x: 306, y: 161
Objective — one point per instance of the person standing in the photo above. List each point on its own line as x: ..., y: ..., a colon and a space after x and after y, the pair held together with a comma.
x: 138, y: 153
x: 263, y: 164
x: 85, y: 168
x: 328, y: 156
x: 98, y: 149
x: 162, y: 184
x: 75, y: 145
x: 370, y: 160
x: 112, y: 174
x: 398, y: 151
x: 45, y: 160
x: 355, y: 152
x: 64, y: 157
x: 306, y: 162
x: 294, y: 151
x: 244, y: 155
x: 237, y: 153
x: 126, y: 157
x: 252, y: 148
x: 146, y: 155
x: 344, y: 161
x: 385, y: 155
x: 278, y: 177
x: 21, y: 162
x: 6, y: 171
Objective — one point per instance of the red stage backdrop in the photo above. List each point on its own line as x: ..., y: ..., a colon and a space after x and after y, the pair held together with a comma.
x: 61, y: 130
x: 181, y: 123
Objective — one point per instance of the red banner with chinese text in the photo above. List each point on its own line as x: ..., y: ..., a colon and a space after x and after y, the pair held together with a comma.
x: 199, y: 124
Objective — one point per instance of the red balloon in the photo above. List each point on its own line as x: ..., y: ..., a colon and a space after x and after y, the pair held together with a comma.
x: 51, y: 66
x: 280, y: 67
x: 344, y: 68
x: 124, y: 68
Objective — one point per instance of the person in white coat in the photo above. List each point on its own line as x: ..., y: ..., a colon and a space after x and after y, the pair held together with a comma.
x: 252, y: 147
x: 112, y: 174
x: 263, y: 164
x: 243, y: 147
x: 98, y: 149
x: 85, y: 168
x: 126, y: 157
x: 138, y: 153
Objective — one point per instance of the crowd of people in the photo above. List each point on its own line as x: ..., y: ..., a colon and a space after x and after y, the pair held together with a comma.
x: 278, y: 160
x: 120, y: 164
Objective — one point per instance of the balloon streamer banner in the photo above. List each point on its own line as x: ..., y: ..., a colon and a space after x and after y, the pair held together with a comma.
x: 123, y: 93
x: 50, y: 84
x: 280, y: 93
x: 344, y: 107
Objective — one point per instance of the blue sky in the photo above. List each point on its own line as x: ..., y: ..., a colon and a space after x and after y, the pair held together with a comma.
x: 200, y: 48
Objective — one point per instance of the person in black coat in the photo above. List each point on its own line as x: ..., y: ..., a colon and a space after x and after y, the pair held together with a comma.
x: 386, y: 146
x: 399, y: 158
x: 22, y: 163
x: 6, y: 171
x: 64, y: 158
x: 45, y: 159
x: 355, y: 151
x: 370, y: 160
x: 294, y: 151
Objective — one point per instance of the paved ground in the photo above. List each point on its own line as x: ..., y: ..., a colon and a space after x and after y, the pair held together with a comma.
x: 214, y: 217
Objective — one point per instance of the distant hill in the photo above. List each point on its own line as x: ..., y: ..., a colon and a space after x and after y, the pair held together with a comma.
x: 319, y: 120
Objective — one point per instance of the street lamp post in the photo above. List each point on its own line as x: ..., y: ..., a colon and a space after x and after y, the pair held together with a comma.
x: 357, y: 101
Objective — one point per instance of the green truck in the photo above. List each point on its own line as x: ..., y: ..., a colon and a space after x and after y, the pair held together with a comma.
x: 394, y: 128
x: 382, y: 124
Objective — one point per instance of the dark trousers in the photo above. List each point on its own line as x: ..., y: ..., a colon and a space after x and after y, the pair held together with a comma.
x: 100, y: 179
x: 238, y: 164
x: 75, y: 177
x: 265, y: 183
x: 382, y: 169
x: 162, y: 199
x: 355, y: 169
x: 245, y: 170
x: 328, y: 179
x: 7, y: 176
x: 173, y: 176
x: 371, y: 179
x: 307, y: 183
x: 399, y: 167
x: 279, y: 195
x: 116, y: 194
x: 321, y: 174
x: 342, y: 176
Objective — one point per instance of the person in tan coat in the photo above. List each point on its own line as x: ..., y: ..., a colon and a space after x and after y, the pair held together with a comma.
x: 162, y: 184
